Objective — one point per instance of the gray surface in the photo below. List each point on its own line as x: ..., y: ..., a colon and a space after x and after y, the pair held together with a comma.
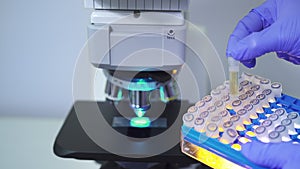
x: 39, y: 43
x: 27, y: 143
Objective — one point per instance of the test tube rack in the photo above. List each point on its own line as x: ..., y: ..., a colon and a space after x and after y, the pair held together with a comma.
x: 216, y: 128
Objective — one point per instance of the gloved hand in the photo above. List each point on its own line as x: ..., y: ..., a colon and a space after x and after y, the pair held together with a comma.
x: 272, y: 27
x: 273, y: 155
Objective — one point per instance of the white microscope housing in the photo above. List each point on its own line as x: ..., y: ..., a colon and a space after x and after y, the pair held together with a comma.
x: 140, y: 45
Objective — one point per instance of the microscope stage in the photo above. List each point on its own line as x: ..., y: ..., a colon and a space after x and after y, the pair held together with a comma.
x: 73, y: 142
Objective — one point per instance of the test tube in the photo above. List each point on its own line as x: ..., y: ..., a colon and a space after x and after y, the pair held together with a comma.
x: 276, y: 88
x: 256, y: 89
x: 243, y: 97
x: 201, y: 106
x: 236, y: 105
x: 294, y: 116
x: 229, y: 136
x: 219, y: 105
x: 250, y: 110
x: 228, y: 124
x: 244, y: 116
x: 256, y: 106
x: 188, y: 119
x: 216, y: 94
x: 289, y: 126
x: 225, y: 115
x: 274, y: 137
x: 225, y: 99
x: 256, y: 79
x: 263, y: 100
x: 250, y: 94
x: 211, y: 109
x: 233, y: 76
x: 247, y: 76
x: 199, y: 125
x: 217, y: 120
x: 262, y: 134
x: 283, y: 132
x: 208, y: 100
x: 265, y: 83
x: 227, y: 85
x: 192, y: 109
x: 204, y: 114
x: 268, y: 124
x: 222, y: 89
x: 281, y: 112
x: 245, y: 84
x: 237, y: 122
x: 212, y: 130
x: 269, y: 95
x: 275, y: 119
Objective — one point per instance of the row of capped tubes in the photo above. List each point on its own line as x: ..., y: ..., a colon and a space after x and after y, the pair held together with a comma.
x: 279, y: 126
x: 212, y: 103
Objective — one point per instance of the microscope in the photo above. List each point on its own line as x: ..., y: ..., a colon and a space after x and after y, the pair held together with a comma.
x: 140, y: 47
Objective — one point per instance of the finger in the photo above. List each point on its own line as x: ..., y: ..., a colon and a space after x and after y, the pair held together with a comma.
x: 289, y: 58
x: 249, y: 63
x: 256, y: 20
x: 294, y: 60
x: 247, y: 25
x: 282, y: 55
x: 257, y: 44
x: 270, y: 155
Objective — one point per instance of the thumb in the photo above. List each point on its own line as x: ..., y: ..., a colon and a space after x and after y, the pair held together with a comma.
x: 257, y: 44
x: 271, y: 155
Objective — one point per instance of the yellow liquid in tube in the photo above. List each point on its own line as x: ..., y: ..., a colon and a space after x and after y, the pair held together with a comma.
x: 234, y: 86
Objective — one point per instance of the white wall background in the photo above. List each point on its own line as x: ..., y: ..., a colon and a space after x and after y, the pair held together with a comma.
x: 39, y: 43
x: 40, y: 40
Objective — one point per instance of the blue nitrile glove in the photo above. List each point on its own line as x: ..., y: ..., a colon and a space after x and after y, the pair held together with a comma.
x: 273, y: 155
x: 272, y: 27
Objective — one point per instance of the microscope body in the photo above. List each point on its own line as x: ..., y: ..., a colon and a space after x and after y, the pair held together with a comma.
x: 140, y: 45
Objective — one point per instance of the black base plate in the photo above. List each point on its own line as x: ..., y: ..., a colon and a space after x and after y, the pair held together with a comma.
x: 73, y: 142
